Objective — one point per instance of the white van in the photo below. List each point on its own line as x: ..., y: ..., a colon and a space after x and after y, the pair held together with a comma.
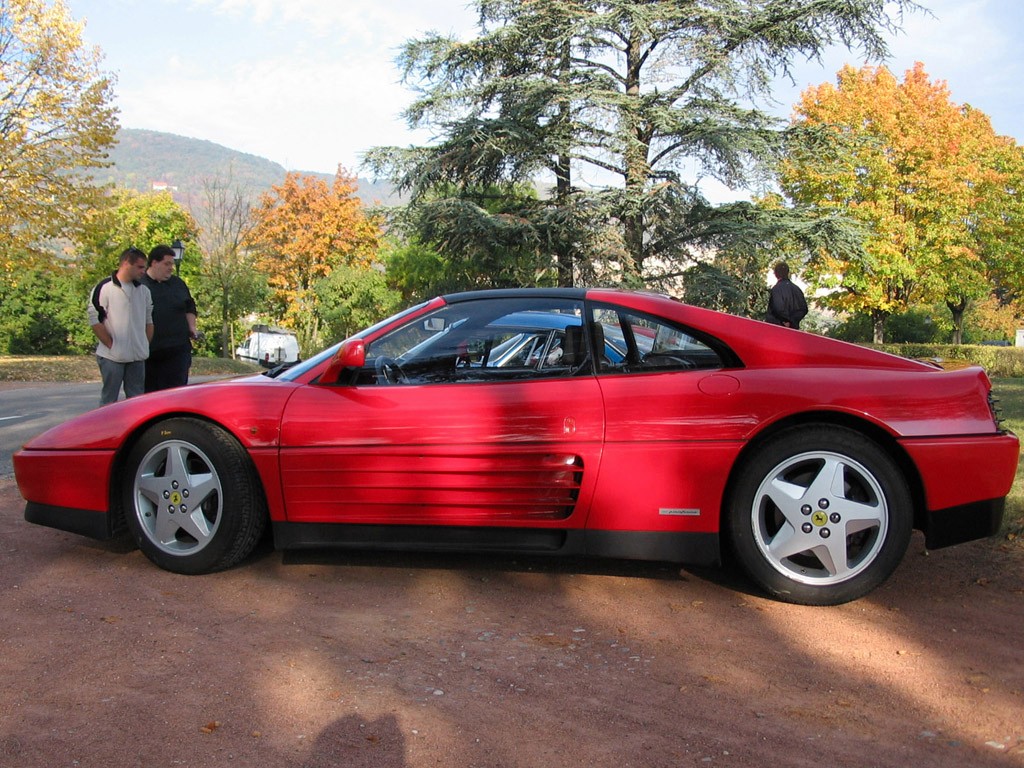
x: 269, y: 346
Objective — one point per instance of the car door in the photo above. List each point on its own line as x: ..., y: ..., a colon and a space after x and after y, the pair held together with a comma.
x: 669, y: 436
x: 429, y: 434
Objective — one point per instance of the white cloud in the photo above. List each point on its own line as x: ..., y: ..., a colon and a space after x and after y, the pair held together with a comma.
x: 365, y: 22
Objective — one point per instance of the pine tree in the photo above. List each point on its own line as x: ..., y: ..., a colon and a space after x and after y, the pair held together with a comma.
x: 626, y: 105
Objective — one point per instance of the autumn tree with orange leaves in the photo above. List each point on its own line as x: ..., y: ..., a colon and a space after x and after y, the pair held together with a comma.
x: 305, y: 228
x: 915, y: 169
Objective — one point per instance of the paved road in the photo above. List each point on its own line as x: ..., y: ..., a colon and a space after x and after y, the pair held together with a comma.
x: 27, y: 411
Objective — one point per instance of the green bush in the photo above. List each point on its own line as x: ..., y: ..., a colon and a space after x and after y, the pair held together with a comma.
x: 999, y: 362
x: 913, y: 326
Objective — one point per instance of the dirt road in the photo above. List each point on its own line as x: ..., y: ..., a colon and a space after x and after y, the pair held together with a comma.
x: 341, y: 660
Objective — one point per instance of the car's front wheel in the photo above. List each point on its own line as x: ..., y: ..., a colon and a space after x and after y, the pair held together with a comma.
x: 820, y: 516
x: 191, y: 497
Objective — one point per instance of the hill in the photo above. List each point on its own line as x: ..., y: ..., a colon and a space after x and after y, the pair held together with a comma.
x: 146, y: 160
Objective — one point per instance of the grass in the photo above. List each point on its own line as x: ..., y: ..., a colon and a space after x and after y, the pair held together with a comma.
x: 80, y: 368
x: 1010, y: 393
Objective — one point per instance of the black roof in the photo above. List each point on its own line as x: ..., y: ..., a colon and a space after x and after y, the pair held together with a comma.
x: 517, y: 293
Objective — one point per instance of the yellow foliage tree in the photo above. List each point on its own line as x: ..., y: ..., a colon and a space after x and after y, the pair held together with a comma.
x: 303, y: 229
x: 912, y: 166
x: 56, y: 123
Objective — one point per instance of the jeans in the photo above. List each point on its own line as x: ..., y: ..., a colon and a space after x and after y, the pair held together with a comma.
x: 132, y: 376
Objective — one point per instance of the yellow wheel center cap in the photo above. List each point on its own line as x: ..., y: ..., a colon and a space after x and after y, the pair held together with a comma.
x: 175, y: 497
x: 819, y: 518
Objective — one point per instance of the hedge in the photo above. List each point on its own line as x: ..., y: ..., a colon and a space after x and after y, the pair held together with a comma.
x: 999, y: 362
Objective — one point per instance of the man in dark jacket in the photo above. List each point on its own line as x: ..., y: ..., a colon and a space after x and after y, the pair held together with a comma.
x: 786, y: 303
x: 174, y: 323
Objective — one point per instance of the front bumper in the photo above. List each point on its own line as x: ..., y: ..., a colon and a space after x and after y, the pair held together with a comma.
x: 67, y: 490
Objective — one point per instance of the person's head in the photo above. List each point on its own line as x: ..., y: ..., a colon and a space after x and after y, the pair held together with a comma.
x: 161, y: 262
x: 782, y: 271
x: 132, y: 264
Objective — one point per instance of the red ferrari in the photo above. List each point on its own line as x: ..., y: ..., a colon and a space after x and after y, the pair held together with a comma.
x: 563, y: 421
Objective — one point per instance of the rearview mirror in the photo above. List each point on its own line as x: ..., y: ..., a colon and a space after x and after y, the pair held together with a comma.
x: 351, y: 354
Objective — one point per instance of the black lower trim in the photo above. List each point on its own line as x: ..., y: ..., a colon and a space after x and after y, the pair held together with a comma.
x: 84, y: 522
x: 955, y: 525
x: 421, y: 538
x: 692, y: 548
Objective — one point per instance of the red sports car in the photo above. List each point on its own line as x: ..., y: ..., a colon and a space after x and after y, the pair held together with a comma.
x: 562, y: 421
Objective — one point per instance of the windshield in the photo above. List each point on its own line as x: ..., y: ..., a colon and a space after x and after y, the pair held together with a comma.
x: 297, y: 370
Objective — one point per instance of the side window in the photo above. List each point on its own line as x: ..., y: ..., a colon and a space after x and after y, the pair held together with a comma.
x: 483, y: 340
x: 633, y: 342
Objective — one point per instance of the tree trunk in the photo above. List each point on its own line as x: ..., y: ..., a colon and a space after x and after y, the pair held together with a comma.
x: 227, y: 347
x: 564, y: 251
x: 637, y: 167
x: 878, y: 319
x: 957, y: 310
x: 563, y: 180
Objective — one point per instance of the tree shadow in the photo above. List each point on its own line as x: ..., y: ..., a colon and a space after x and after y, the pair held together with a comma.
x: 726, y: 576
x: 353, y: 741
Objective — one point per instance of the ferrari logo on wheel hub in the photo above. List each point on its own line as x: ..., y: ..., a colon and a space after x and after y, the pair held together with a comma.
x: 175, y: 497
x: 819, y: 518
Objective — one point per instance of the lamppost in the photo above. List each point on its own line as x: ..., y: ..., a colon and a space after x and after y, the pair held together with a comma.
x: 179, y: 251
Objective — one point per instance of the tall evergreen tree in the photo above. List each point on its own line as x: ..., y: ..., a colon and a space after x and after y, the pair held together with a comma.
x: 625, y: 104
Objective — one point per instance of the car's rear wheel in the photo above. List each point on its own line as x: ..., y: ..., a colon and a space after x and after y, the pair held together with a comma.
x: 820, y: 516
x: 192, y: 499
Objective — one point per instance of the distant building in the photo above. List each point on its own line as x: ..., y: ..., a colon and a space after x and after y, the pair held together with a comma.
x: 164, y: 186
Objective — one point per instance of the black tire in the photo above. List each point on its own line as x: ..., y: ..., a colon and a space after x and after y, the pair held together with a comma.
x: 191, y: 498
x: 820, y: 515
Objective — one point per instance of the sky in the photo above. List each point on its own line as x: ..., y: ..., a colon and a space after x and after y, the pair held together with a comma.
x: 313, y: 84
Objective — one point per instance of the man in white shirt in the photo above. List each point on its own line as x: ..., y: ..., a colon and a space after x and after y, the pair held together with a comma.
x: 121, y: 315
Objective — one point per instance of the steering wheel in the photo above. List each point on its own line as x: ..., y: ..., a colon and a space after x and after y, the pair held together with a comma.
x: 388, y: 371
x: 666, y: 360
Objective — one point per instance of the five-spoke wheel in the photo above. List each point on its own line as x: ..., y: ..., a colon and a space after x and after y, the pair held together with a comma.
x: 820, y: 516
x: 192, y: 500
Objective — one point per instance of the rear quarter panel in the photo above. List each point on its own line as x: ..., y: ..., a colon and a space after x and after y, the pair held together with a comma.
x: 673, y: 439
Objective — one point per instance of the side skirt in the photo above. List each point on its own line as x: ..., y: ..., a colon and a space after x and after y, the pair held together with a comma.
x: 692, y: 548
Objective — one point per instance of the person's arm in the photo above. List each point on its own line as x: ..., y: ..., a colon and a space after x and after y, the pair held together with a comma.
x: 149, y: 315
x: 777, y: 306
x: 97, y: 314
x: 801, y: 306
x: 103, y: 335
x: 190, y: 318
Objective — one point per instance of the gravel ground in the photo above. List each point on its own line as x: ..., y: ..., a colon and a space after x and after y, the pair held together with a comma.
x: 330, y: 659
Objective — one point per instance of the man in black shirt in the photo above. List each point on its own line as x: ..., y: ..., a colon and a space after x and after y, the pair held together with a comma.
x: 174, y: 321
x: 786, y: 303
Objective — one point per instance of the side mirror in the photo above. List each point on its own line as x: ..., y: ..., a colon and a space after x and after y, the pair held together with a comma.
x: 351, y: 354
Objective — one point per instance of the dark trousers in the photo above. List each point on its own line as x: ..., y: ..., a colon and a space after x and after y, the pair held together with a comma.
x: 168, y: 368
